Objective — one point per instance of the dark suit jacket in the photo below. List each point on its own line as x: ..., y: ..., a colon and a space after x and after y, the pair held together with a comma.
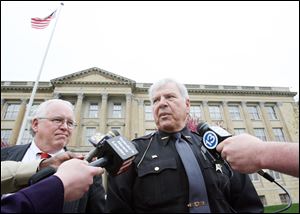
x: 38, y: 198
x: 92, y: 202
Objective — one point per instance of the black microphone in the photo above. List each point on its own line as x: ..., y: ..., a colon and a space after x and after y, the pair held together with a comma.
x: 115, y: 155
x: 212, y: 136
x: 97, y: 141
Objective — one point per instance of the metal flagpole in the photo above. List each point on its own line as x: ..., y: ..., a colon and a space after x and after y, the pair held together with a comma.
x: 36, y: 82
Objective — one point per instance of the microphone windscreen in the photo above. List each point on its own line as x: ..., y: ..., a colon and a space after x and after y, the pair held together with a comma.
x: 202, y: 128
x: 114, y: 133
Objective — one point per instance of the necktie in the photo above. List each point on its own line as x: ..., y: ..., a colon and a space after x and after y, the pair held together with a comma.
x: 44, y: 155
x: 197, y: 190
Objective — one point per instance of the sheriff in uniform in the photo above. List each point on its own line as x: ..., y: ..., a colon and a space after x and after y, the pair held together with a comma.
x: 157, y: 181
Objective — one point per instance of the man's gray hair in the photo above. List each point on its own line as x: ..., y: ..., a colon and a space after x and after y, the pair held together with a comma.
x: 182, y: 89
x: 41, y: 110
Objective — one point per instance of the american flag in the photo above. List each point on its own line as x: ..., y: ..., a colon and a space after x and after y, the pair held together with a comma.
x: 41, y: 23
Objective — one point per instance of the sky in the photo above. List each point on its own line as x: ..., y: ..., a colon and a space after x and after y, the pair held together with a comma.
x: 219, y: 43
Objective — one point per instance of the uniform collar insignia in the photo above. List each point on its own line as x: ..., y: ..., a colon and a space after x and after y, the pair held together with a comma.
x: 165, y: 137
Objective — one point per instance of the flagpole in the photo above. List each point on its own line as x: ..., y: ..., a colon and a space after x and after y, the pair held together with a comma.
x: 36, y: 83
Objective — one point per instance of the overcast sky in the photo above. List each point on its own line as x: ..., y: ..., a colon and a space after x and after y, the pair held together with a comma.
x: 227, y: 43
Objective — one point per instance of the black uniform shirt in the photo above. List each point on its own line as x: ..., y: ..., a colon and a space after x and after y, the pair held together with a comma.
x: 157, y: 182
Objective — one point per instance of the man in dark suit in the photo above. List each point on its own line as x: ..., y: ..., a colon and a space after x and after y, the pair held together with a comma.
x: 52, y: 126
x: 70, y: 182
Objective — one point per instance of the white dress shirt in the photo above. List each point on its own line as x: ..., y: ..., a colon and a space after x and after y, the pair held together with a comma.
x: 33, y: 153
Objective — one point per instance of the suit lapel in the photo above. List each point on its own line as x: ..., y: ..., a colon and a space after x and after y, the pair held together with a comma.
x: 18, y: 152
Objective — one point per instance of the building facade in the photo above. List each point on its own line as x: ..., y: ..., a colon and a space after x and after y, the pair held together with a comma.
x: 105, y: 101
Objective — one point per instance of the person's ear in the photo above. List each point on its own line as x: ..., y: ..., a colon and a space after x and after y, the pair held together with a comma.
x: 34, y: 124
x: 188, y: 105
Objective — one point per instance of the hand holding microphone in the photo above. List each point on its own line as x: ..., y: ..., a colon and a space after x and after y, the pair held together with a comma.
x: 216, y: 141
x: 76, y: 177
x: 242, y: 152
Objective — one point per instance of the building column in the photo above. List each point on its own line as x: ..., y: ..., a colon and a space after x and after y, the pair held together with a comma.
x: 76, y: 137
x: 128, y: 116
x: 229, y: 125
x: 2, y: 104
x: 288, y: 136
x: 141, y: 117
x: 103, y: 113
x: 18, y: 123
x: 266, y: 121
x: 247, y: 118
x: 206, y: 112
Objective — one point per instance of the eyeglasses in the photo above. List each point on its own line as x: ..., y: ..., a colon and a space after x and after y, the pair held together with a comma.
x: 60, y: 120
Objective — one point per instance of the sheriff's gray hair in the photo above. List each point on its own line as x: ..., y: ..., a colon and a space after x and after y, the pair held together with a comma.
x: 182, y: 89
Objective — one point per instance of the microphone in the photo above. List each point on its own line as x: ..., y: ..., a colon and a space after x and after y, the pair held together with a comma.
x: 115, y: 154
x: 97, y: 141
x: 212, y: 136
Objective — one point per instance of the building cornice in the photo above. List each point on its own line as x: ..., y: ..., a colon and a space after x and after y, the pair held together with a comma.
x: 94, y: 70
x: 92, y: 83
x: 228, y: 90
x: 25, y: 86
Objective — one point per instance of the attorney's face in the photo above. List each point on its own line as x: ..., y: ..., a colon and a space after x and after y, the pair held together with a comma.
x: 54, y: 130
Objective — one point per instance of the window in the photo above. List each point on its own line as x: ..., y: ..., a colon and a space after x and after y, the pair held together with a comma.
x: 275, y: 175
x: 254, y: 177
x: 238, y: 131
x: 215, y: 112
x: 271, y: 112
x: 263, y: 200
x: 195, y: 112
x: 93, y: 110
x: 33, y: 109
x: 283, y: 198
x: 253, y: 113
x: 117, y: 110
x: 12, y: 111
x: 148, y: 112
x: 5, y: 135
x: 27, y: 137
x: 89, y: 132
x: 260, y: 133
x: 279, y: 136
x: 234, y: 112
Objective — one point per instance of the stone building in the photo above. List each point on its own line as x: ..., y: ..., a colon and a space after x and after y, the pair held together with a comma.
x: 104, y: 101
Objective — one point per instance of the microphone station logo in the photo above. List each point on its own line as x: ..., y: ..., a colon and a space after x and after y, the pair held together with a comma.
x: 210, y: 140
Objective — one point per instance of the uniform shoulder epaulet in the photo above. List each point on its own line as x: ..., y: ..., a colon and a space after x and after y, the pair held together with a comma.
x: 145, y: 137
x: 196, y: 133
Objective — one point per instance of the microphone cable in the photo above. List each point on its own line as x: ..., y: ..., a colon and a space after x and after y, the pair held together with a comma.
x: 271, y: 179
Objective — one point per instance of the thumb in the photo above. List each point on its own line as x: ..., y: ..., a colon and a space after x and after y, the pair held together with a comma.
x: 97, y: 170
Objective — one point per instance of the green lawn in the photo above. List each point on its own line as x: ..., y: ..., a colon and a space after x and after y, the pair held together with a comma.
x: 293, y: 209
